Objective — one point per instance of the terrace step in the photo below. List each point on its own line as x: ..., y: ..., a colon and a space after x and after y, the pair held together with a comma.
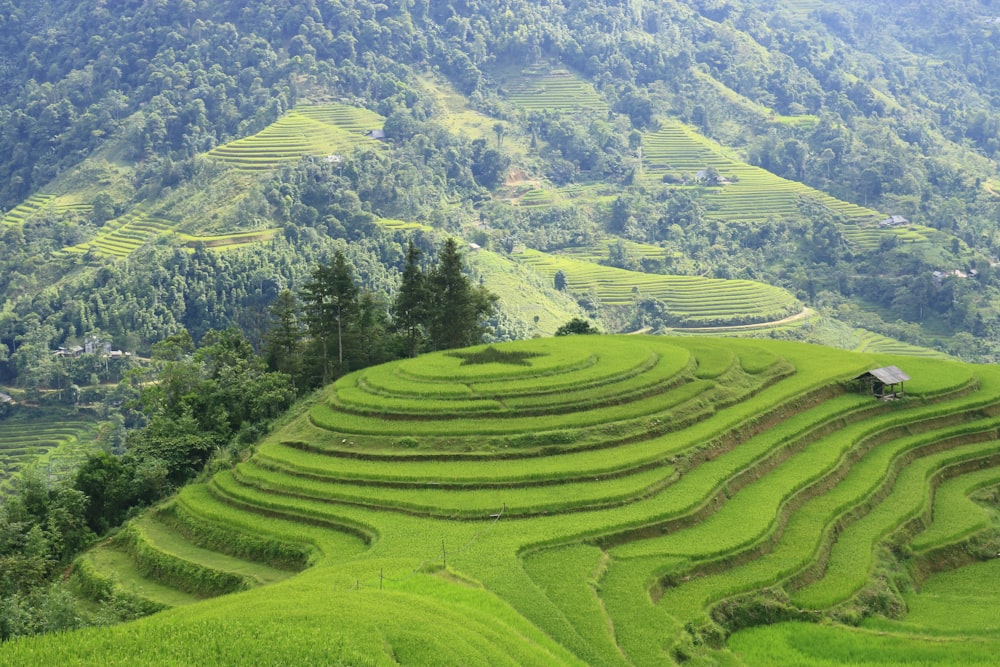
x: 811, y: 524
x: 306, y: 130
x: 696, y: 300
x: 852, y: 556
x: 58, y: 446
x: 163, y: 554
x: 26, y: 209
x: 109, y: 571
x: 955, y: 516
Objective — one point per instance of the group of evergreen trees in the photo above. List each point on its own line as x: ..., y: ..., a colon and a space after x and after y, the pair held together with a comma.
x: 332, y: 326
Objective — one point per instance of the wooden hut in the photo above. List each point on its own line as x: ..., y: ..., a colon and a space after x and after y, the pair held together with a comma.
x: 885, y: 383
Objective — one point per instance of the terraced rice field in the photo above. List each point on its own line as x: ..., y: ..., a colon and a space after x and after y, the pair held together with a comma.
x: 692, y: 300
x: 605, y: 500
x: 39, y: 202
x: 598, y: 252
x: 123, y: 236
x: 401, y: 225
x: 554, y: 90
x: 752, y: 193
x: 229, y: 241
x: 26, y: 209
x: 321, y: 130
x: 875, y: 342
x: 57, y: 447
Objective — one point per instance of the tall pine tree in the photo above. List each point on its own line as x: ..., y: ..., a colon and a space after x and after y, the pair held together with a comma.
x: 284, y: 337
x: 410, y: 309
x: 330, y: 302
x: 456, y: 306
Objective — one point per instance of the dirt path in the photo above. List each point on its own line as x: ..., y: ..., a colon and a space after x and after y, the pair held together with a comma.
x: 806, y: 312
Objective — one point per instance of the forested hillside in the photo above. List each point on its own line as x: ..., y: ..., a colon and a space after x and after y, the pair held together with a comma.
x: 510, y: 124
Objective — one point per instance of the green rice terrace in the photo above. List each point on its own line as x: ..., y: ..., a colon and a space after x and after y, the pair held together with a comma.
x: 123, y: 236
x: 678, y: 152
x: 542, y: 89
x: 37, y: 203
x: 321, y: 130
x: 692, y: 301
x: 613, y: 500
x: 55, y: 446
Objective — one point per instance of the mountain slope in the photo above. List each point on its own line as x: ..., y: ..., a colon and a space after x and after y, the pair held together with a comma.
x: 594, y: 500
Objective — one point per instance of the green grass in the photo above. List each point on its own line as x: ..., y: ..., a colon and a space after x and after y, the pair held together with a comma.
x: 616, y: 489
x: 121, y: 574
x: 821, y: 646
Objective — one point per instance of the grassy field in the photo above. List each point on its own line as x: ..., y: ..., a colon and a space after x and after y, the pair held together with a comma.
x: 599, y: 500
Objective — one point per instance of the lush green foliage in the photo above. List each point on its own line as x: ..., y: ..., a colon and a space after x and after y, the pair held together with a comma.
x: 698, y: 165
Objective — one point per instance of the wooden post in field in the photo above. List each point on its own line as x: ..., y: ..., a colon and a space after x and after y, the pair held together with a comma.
x: 444, y: 555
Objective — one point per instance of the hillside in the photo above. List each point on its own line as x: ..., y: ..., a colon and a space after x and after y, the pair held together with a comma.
x: 200, y: 201
x: 581, y: 500
x: 746, y: 141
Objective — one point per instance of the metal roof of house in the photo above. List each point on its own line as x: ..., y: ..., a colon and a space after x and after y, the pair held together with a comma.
x: 887, y: 375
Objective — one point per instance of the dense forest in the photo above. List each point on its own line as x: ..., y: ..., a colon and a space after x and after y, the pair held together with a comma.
x: 887, y: 105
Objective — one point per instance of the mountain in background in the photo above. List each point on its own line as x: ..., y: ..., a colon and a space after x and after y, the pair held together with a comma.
x: 838, y: 159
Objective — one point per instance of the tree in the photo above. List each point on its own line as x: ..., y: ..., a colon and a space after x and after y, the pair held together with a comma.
x: 489, y: 166
x: 410, y: 307
x: 456, y: 306
x: 330, y: 301
x: 103, y: 209
x: 577, y: 326
x: 560, y: 280
x: 501, y: 130
x: 284, y: 338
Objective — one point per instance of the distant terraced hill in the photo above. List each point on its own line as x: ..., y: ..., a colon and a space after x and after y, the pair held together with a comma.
x: 321, y: 130
x: 751, y: 193
x: 601, y: 500
x: 57, y: 446
x: 693, y: 301
x: 543, y: 89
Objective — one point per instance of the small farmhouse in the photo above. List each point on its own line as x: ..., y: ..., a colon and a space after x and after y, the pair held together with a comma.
x: 883, y: 382
x: 894, y: 221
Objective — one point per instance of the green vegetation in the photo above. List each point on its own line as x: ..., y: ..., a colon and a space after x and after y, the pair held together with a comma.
x: 688, y: 300
x: 329, y: 130
x: 569, y: 486
x: 390, y: 179
x: 542, y: 89
x: 54, y: 446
